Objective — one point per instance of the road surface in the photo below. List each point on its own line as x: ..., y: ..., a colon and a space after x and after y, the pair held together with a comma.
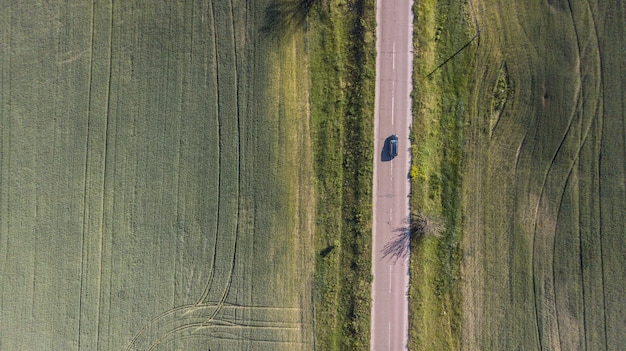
x: 391, y: 183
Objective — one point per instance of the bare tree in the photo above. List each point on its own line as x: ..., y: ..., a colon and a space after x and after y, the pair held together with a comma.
x: 424, y: 225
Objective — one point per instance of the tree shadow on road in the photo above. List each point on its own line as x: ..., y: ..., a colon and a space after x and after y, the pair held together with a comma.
x: 417, y: 226
x: 400, y: 246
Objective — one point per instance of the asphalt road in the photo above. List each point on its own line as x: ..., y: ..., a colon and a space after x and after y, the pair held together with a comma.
x: 391, y: 176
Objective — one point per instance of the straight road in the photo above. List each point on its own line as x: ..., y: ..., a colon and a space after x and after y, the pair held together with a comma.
x: 394, y: 65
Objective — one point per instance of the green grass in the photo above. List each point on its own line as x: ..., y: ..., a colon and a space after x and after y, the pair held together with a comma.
x: 439, y: 107
x: 155, y: 178
x: 342, y: 95
x: 544, y: 179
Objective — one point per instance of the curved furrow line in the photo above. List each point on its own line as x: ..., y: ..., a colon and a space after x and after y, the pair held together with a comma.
x: 207, y: 286
x: 235, y: 305
x: 542, y: 196
x: 565, y: 137
x: 598, y: 191
x: 211, y: 324
x: 109, y: 134
x: 236, y: 338
x: 554, y: 273
x: 239, y: 148
x: 581, y: 54
x: 518, y: 153
x: 220, y: 303
x: 191, y: 336
x: 585, y: 124
x: 153, y: 321
x: 187, y: 311
x: 589, y: 114
x: 535, y: 284
x: 198, y: 303
x: 597, y: 41
x: 231, y: 324
x: 238, y: 180
x: 202, y: 321
x: 166, y: 335
x: 239, y: 339
x: 265, y: 321
x: 85, y: 226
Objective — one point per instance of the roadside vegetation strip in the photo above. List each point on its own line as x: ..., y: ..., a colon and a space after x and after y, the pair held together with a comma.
x: 543, y: 127
x: 342, y: 46
x: 440, y: 95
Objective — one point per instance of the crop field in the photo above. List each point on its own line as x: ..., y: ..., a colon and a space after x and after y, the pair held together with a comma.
x: 155, y: 179
x: 544, y: 250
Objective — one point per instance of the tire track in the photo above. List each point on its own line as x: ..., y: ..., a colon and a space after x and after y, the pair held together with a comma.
x: 5, y: 144
x: 224, y: 321
x: 236, y: 216
x: 579, y: 130
x: 206, y: 290
x: 84, y: 251
x: 554, y: 264
x: 239, y: 147
x: 214, y: 324
x: 186, y: 81
x: 106, y: 156
x: 594, y: 115
x: 600, y: 137
x: 586, y: 127
x: 549, y: 288
x: 202, y: 300
x: 178, y: 313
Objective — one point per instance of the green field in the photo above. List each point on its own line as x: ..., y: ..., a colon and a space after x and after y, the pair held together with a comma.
x: 544, y: 247
x: 156, y: 186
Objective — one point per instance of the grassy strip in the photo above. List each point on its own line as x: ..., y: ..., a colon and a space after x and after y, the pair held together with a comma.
x: 439, y: 100
x: 342, y: 107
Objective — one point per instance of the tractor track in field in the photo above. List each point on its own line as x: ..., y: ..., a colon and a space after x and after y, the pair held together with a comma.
x: 583, y: 129
x: 84, y: 252
x: 105, y: 184
x: 562, y: 157
x: 599, y: 190
x: 187, y: 311
x: 218, y: 323
x: 207, y: 287
x: 238, y: 180
x: 202, y: 300
x: 213, y: 323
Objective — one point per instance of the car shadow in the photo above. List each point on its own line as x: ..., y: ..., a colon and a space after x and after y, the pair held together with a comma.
x: 384, y: 154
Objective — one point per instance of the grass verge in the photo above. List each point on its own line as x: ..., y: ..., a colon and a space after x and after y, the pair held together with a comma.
x: 439, y: 106
x: 342, y: 46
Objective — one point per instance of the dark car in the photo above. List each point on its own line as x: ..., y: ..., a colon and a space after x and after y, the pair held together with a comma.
x: 392, y: 148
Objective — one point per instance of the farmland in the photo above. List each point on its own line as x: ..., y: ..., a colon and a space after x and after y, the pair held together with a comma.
x: 155, y: 179
x: 544, y: 178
